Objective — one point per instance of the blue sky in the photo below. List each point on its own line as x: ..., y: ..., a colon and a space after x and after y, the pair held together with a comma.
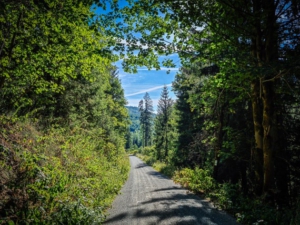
x: 152, y: 81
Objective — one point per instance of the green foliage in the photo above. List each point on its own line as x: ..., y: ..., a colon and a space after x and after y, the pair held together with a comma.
x: 164, y: 168
x: 62, y: 152
x: 146, y: 119
x: 62, y: 176
x: 134, y: 116
x: 225, y: 195
x: 162, y: 134
x: 147, y: 154
x: 135, y: 152
x: 134, y: 139
x: 149, y: 151
x: 45, y: 45
x: 198, y: 180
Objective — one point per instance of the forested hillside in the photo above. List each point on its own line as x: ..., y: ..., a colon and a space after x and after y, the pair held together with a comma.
x: 135, y: 135
x: 62, y: 115
x: 134, y: 116
x: 232, y: 133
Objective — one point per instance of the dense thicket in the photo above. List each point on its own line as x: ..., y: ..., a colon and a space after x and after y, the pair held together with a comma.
x: 62, y: 115
x: 237, y: 112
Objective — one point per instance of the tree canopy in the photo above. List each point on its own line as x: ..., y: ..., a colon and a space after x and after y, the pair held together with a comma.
x: 62, y: 114
x: 254, y: 44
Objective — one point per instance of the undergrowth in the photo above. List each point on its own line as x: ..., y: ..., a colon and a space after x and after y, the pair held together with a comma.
x: 62, y: 176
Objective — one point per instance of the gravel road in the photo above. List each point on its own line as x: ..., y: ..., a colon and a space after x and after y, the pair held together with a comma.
x: 148, y: 197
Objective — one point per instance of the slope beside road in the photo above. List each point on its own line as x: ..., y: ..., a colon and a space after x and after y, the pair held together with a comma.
x: 148, y: 197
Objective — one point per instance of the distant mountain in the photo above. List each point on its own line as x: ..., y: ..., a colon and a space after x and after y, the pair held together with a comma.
x: 134, y: 116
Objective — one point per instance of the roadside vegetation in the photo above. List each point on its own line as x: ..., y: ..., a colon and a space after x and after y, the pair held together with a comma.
x: 58, y: 176
x: 231, y: 134
x: 232, y: 131
x: 186, y: 154
x: 62, y: 115
x: 225, y: 196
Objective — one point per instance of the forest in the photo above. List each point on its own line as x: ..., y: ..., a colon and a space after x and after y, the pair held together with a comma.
x: 62, y: 115
x: 232, y: 132
x: 230, y: 135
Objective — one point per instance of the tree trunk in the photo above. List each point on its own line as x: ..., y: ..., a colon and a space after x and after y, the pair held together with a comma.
x: 269, y: 132
x: 269, y: 125
x: 265, y: 51
x: 258, y: 136
x: 166, y: 141
x: 219, y: 142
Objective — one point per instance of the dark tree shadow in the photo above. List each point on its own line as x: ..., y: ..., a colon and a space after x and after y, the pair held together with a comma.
x: 141, y: 165
x: 186, y: 211
x: 158, y: 175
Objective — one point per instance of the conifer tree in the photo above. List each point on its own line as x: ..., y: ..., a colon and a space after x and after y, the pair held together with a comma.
x: 141, y: 110
x: 146, y: 110
x: 161, y: 124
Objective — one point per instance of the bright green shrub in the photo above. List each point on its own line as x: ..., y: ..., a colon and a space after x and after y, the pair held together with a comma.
x: 149, y: 151
x: 225, y: 195
x: 135, y: 152
x: 198, y: 180
x: 183, y: 177
x: 59, y: 177
x: 202, y: 180
x: 164, y: 168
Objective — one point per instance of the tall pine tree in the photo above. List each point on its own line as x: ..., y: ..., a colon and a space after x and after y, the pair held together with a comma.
x: 146, y: 110
x: 161, y: 124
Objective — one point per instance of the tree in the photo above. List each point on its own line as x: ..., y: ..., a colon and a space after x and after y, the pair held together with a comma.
x: 253, y: 43
x: 54, y: 73
x: 146, y: 111
x: 44, y: 45
x: 162, y: 124
x: 142, y: 121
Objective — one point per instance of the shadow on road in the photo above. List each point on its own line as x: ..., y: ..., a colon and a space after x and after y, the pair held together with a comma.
x: 178, y: 207
x: 157, y: 175
x: 152, y: 198
x: 141, y: 165
x: 168, y: 189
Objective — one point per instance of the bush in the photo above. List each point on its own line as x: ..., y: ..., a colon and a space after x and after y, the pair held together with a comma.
x: 197, y: 180
x: 58, y: 177
x: 225, y: 195
x: 135, y: 152
x: 164, y: 168
x: 149, y: 151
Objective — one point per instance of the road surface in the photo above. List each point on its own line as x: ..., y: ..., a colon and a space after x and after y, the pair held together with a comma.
x: 148, y: 197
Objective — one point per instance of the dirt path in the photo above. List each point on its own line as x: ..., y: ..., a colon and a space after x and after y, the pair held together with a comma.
x: 148, y: 197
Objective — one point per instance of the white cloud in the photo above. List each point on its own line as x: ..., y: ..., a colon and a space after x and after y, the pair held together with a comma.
x: 162, y: 68
x: 147, y: 90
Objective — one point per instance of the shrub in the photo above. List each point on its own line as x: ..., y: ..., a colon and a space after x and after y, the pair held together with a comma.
x: 58, y: 177
x: 135, y: 152
x: 149, y: 151
x: 164, y: 168
x: 198, y: 180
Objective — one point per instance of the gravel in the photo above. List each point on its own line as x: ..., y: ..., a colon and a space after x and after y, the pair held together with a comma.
x: 149, y: 197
